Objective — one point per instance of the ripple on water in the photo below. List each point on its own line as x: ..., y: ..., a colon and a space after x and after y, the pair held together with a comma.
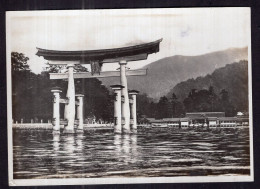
x: 169, y: 152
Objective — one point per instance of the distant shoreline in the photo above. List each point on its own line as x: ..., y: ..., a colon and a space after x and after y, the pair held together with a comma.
x: 48, y: 126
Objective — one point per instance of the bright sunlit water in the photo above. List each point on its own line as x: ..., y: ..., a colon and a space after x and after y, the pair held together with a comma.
x: 150, y: 153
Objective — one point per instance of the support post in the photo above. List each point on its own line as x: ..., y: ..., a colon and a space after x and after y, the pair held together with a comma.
x: 56, y: 110
x: 117, y: 108
x: 133, y: 94
x: 125, y: 103
x: 69, y: 111
x: 80, y: 112
x: 83, y: 89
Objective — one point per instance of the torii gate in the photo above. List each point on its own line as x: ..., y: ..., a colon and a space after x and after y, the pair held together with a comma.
x: 121, y: 55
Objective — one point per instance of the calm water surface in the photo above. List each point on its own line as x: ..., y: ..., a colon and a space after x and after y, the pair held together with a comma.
x: 150, y: 153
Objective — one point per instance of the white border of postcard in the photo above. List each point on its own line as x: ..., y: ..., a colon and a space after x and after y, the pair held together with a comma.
x: 120, y: 180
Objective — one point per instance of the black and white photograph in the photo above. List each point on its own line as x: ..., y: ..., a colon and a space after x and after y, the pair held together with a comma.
x: 120, y: 96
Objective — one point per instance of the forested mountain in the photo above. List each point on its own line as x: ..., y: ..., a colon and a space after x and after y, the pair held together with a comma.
x: 233, y: 78
x: 165, y: 73
x: 225, y: 90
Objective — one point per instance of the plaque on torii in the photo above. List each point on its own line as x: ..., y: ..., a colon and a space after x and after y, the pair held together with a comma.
x: 121, y: 55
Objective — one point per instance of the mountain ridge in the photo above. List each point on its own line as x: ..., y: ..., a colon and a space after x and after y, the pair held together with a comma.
x: 167, y: 72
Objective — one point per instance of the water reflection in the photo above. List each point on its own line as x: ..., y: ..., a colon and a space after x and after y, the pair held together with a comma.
x: 69, y: 144
x: 126, y: 147
x: 133, y: 142
x: 147, y: 153
x: 118, y: 144
x: 56, y: 142
x: 126, y: 144
x: 79, y: 141
x: 56, y: 151
x: 133, y: 148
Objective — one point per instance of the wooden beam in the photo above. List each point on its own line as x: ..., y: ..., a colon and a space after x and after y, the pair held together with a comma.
x: 136, y: 57
x: 64, y: 101
x: 131, y: 101
x: 79, y: 75
x: 126, y: 58
x: 64, y: 63
x: 86, y: 56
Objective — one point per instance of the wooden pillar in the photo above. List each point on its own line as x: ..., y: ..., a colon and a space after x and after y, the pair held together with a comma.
x: 117, y: 108
x: 84, y: 98
x: 125, y: 103
x: 70, y: 107
x: 56, y: 110
x: 80, y: 112
x: 133, y: 94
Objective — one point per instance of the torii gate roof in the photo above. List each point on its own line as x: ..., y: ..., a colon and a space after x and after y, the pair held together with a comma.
x: 130, y: 53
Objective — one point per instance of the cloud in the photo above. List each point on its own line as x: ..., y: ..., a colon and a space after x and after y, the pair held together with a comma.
x: 184, y: 31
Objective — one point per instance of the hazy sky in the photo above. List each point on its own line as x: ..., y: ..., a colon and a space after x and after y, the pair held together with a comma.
x: 184, y: 31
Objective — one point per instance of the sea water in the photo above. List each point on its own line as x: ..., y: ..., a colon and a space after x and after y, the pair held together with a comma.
x: 152, y: 152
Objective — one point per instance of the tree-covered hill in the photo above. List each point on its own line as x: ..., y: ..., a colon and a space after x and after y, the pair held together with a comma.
x: 165, y: 73
x: 233, y: 78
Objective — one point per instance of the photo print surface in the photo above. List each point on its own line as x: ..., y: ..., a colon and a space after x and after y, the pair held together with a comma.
x: 129, y: 96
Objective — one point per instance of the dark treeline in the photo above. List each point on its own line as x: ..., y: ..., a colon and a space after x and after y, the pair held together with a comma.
x: 197, y: 101
x: 32, y: 97
x: 165, y: 108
